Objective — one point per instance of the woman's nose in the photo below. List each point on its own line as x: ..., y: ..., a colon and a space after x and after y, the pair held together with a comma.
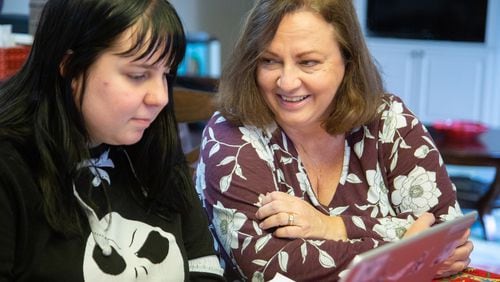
x: 157, y: 94
x: 289, y: 79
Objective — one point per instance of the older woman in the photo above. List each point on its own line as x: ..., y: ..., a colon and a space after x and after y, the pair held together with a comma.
x: 308, y: 162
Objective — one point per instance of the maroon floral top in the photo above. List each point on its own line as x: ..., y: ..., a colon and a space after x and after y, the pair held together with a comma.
x: 392, y: 173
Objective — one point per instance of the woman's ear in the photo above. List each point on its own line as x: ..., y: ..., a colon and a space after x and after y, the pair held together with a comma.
x: 64, y: 61
x: 76, y: 85
x: 76, y: 81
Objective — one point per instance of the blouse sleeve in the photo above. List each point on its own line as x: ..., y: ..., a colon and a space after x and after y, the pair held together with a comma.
x: 411, y: 170
x: 233, y: 172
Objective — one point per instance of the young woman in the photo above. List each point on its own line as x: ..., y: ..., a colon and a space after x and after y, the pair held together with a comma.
x: 93, y: 182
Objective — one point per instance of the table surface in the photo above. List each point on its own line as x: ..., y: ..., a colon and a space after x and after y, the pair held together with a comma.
x: 471, y: 274
x: 483, y: 151
x: 487, y: 146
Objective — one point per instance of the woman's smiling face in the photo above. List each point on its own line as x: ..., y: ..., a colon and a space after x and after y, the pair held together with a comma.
x: 301, y: 70
x: 122, y: 96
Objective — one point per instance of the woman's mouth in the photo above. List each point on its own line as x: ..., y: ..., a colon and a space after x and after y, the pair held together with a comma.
x: 293, y: 99
x: 143, y: 122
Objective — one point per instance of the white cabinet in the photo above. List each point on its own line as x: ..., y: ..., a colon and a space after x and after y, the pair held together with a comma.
x: 438, y: 81
x: 398, y: 69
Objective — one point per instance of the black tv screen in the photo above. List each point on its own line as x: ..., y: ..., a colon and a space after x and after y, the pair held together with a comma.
x: 451, y: 20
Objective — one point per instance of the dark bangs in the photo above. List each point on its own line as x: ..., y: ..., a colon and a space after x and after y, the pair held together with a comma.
x: 159, y: 30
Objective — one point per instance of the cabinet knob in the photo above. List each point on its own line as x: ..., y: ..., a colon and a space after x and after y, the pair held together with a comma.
x: 417, y: 54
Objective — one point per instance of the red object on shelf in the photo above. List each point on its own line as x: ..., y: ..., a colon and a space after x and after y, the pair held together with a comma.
x: 11, y: 60
x: 460, y: 131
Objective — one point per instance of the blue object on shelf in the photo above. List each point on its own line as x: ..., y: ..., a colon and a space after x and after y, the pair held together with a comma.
x: 202, y: 56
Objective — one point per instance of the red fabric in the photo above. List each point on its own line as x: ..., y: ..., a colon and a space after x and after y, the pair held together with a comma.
x: 472, y: 275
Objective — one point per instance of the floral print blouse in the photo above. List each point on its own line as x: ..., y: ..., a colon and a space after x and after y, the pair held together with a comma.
x: 392, y: 173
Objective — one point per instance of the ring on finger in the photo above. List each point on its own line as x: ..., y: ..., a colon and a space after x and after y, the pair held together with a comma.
x: 291, y: 218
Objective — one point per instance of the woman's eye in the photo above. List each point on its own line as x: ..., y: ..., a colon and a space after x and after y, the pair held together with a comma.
x: 309, y: 63
x: 137, y: 76
x: 268, y: 61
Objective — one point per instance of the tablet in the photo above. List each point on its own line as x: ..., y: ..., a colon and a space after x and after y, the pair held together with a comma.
x: 415, y: 258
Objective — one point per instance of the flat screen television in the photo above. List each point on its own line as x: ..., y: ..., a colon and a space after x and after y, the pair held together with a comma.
x: 450, y: 20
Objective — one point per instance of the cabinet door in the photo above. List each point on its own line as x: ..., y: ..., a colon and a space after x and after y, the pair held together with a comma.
x: 436, y: 83
x: 452, y: 84
x: 400, y: 71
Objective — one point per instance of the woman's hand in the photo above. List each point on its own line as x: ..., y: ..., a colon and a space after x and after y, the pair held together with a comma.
x: 459, y: 258
x: 424, y: 221
x: 294, y: 218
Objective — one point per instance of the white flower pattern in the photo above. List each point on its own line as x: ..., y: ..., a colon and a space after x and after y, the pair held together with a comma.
x: 393, y: 120
x: 259, y: 142
x: 227, y: 224
x: 453, y: 212
x: 416, y: 192
x: 392, y: 228
x: 379, y: 194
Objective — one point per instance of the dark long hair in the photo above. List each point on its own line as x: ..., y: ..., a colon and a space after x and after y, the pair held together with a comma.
x: 38, y: 111
x: 357, y: 98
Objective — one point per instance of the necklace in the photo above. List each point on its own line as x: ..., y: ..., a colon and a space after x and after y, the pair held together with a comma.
x: 143, y: 189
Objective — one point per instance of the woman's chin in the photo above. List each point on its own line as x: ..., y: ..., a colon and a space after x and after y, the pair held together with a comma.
x: 128, y: 140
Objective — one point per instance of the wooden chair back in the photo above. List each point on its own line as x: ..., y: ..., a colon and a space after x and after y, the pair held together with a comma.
x: 193, y: 106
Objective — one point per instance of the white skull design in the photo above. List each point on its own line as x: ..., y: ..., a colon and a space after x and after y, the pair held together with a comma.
x: 140, y: 252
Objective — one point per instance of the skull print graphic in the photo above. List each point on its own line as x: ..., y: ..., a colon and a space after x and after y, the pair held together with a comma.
x: 140, y: 252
